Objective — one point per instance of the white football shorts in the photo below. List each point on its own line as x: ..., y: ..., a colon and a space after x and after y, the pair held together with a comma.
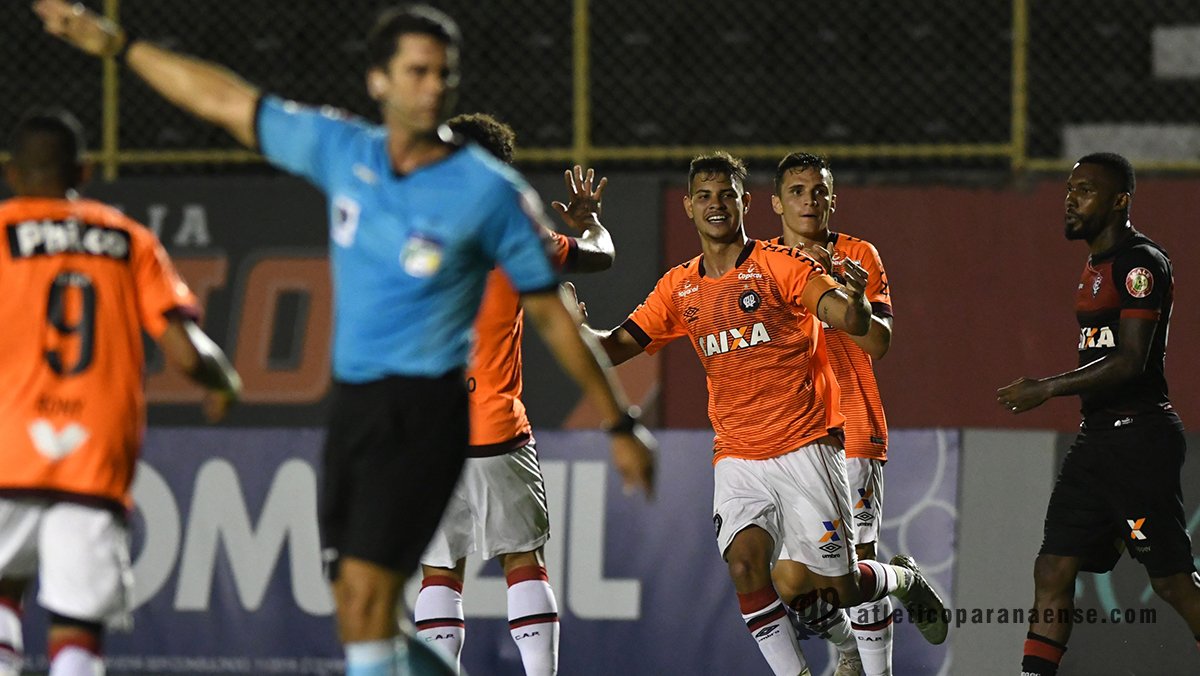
x: 866, y: 498
x: 498, y: 507
x: 800, y: 498
x: 79, y: 554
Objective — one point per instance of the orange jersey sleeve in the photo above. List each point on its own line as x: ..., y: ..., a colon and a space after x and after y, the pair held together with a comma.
x: 657, y: 321
x: 866, y: 424
x: 499, y: 422
x: 80, y: 284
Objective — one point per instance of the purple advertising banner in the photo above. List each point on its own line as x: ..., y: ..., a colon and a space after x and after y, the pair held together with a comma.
x: 229, y: 581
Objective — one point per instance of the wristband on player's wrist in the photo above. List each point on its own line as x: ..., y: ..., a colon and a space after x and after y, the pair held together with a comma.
x: 627, y: 422
x: 123, y: 53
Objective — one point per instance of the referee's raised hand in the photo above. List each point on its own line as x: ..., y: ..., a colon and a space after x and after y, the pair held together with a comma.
x: 80, y: 27
x: 634, y: 451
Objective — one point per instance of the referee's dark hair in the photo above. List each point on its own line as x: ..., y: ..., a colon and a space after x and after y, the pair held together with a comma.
x: 395, y: 22
x: 47, y: 146
x: 1118, y: 166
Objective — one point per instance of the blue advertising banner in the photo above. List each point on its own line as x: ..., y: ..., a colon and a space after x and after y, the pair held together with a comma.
x: 229, y: 580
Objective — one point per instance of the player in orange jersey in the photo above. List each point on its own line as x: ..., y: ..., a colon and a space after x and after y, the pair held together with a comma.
x: 805, y: 201
x: 753, y: 311
x: 79, y: 283
x: 499, y: 506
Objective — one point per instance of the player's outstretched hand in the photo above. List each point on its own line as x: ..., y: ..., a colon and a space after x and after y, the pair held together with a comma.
x: 583, y: 205
x: 217, y: 403
x: 855, y: 278
x: 633, y: 456
x: 80, y: 27
x: 570, y: 298
x: 1023, y: 394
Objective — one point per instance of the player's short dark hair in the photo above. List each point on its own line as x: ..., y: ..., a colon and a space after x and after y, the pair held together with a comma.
x: 496, y: 137
x: 394, y: 22
x: 798, y: 161
x: 49, y: 142
x: 1118, y: 166
x: 719, y: 162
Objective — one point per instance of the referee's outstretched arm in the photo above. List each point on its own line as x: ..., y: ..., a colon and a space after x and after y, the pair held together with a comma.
x: 204, y: 89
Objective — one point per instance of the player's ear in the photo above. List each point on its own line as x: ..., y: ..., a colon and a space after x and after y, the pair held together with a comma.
x: 745, y: 202
x: 12, y: 177
x: 376, y: 84
x: 1122, y: 202
x: 832, y: 203
x: 84, y: 173
x: 687, y: 205
x: 776, y: 204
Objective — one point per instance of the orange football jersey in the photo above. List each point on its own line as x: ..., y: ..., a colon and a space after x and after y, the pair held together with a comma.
x: 755, y: 330
x: 866, y: 425
x: 80, y: 283
x: 498, y: 420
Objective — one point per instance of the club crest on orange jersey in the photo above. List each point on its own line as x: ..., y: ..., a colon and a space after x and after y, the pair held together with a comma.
x: 749, y: 301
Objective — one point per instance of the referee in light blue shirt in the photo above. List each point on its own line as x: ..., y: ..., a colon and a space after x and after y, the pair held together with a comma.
x: 416, y: 221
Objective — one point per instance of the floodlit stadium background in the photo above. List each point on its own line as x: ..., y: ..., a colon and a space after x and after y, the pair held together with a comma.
x: 951, y: 125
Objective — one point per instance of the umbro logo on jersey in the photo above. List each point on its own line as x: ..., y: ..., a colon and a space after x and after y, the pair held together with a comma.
x: 49, y: 238
x: 1135, y: 528
x: 362, y: 173
x: 1096, y: 337
x: 733, y: 339
x: 691, y: 314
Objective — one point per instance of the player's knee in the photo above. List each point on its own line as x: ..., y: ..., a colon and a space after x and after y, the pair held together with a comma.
x: 741, y: 568
x: 1053, y: 575
x: 1173, y: 589
x: 66, y: 632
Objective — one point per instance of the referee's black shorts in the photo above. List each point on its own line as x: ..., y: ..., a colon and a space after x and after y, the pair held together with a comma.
x: 393, y: 454
x: 1119, y: 488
